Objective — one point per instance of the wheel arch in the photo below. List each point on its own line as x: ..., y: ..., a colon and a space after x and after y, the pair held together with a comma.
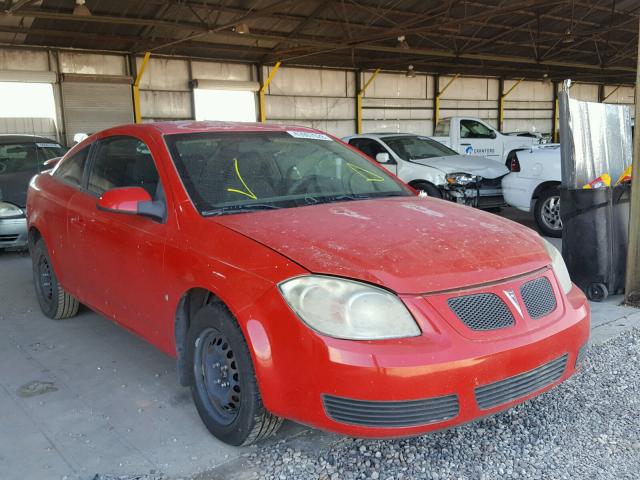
x: 541, y: 188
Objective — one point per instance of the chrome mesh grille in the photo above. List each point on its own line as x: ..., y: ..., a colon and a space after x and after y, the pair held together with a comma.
x: 483, y: 311
x: 391, y: 414
x: 521, y: 385
x: 538, y: 297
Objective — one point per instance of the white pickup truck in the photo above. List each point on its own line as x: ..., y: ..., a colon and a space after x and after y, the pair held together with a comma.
x: 472, y: 136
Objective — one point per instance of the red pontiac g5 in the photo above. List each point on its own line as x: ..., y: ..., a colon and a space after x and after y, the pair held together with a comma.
x: 292, y: 277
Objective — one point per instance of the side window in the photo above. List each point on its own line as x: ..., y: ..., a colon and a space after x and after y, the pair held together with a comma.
x: 123, y: 162
x: 368, y: 146
x: 72, y: 168
x: 473, y: 129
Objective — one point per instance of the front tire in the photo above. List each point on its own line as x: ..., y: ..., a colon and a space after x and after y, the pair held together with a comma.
x: 547, y: 212
x: 223, y: 382
x: 428, y: 188
x: 54, y: 301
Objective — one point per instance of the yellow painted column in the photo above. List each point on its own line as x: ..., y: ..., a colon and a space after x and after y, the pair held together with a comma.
x: 359, y: 100
x: 136, y: 88
x: 263, y: 90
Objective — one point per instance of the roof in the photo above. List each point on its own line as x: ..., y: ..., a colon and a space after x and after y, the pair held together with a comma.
x: 195, y: 126
x: 384, y: 134
x: 593, y: 41
x: 11, y: 138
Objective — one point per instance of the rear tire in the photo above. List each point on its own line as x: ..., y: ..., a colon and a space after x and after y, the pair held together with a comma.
x: 54, y: 301
x: 547, y: 212
x: 223, y: 382
x: 428, y: 188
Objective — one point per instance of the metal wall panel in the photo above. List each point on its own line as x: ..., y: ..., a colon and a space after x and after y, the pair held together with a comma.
x: 222, y: 71
x: 45, y: 127
x: 398, y: 85
x: 91, y: 107
x: 161, y: 105
x: 165, y: 74
x: 584, y: 91
x: 22, y: 59
x: 308, y: 82
x: 92, y: 63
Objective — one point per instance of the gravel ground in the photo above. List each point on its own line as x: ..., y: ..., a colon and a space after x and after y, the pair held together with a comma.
x: 587, y: 428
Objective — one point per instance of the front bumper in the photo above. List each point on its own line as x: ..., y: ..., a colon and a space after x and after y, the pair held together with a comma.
x: 13, y: 233
x: 397, y: 388
x: 486, y: 195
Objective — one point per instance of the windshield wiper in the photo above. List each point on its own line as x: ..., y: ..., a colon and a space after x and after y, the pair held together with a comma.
x: 239, y: 209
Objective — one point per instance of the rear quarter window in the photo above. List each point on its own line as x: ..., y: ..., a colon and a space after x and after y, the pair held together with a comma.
x: 71, y: 169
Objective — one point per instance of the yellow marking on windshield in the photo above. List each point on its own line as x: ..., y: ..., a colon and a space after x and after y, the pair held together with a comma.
x: 368, y: 175
x: 248, y: 192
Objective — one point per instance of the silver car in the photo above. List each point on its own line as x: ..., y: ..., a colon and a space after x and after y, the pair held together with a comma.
x: 434, y: 168
x: 21, y: 157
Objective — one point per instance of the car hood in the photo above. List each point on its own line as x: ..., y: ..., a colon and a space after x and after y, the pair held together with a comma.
x: 482, y: 166
x: 410, y: 245
x: 13, y: 187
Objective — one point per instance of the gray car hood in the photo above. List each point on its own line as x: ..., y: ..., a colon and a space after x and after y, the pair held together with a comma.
x: 482, y: 166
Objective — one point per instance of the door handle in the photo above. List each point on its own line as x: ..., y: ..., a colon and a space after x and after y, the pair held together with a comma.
x: 465, y: 144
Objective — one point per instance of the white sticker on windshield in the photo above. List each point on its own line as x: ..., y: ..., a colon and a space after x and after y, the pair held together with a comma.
x: 48, y: 145
x: 309, y: 135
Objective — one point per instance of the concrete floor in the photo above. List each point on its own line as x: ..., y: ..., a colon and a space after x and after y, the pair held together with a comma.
x: 82, y: 396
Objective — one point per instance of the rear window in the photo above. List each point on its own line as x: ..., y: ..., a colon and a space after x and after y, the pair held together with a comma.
x: 27, y: 157
x: 443, y: 128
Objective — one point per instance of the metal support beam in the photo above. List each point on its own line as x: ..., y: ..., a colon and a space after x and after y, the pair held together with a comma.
x: 263, y: 90
x: 359, y: 100
x: 136, y: 88
x: 632, y: 287
x: 504, y: 95
x: 554, y: 126
x: 436, y: 105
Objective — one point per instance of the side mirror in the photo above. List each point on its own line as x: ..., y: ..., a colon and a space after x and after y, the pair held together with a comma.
x: 131, y: 201
x: 382, y: 157
x: 493, y: 134
x: 51, y: 163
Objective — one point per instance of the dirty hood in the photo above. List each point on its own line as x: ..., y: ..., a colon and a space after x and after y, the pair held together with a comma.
x: 474, y: 165
x: 410, y: 245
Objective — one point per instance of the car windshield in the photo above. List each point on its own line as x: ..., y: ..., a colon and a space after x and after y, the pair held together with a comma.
x: 27, y: 157
x: 414, y: 147
x: 235, y: 172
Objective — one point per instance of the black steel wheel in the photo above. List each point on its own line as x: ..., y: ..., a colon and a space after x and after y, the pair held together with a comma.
x: 216, y: 376
x: 54, y: 301
x: 597, y: 292
x: 223, y: 382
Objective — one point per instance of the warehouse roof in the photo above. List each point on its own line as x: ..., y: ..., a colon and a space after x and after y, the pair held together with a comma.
x: 588, y: 40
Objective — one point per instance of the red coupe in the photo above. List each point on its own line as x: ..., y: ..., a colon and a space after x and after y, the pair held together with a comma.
x: 292, y: 277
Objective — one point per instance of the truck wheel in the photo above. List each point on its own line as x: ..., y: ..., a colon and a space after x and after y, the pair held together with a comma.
x: 547, y: 212
x: 54, y: 301
x: 428, y: 188
x: 223, y: 384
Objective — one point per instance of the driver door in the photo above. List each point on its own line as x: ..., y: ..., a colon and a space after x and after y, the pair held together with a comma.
x: 123, y: 254
x: 477, y: 139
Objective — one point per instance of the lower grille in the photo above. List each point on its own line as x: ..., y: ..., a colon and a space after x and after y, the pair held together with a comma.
x: 519, y: 386
x: 408, y: 413
x: 483, y: 311
x: 538, y: 297
x: 8, y: 238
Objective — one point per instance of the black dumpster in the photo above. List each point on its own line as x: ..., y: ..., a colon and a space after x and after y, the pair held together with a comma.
x: 595, y: 225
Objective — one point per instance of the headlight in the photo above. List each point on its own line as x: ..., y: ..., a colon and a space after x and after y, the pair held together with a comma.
x: 9, y: 210
x: 558, y: 265
x: 348, y: 309
x: 462, y: 179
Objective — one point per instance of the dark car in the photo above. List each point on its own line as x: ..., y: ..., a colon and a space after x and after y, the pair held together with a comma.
x: 21, y: 157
